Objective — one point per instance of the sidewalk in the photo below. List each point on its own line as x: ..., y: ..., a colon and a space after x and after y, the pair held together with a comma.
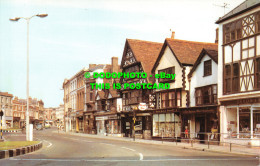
x: 240, y: 150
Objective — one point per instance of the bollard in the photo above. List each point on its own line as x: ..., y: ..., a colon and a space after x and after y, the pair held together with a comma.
x: 230, y: 147
x: 208, y: 141
x: 192, y: 143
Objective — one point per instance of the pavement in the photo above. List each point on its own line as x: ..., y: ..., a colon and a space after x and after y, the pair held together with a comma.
x: 81, y: 149
x: 235, y: 149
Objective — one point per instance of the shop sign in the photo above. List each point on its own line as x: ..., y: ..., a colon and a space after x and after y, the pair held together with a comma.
x: 142, y: 106
x: 241, y: 101
x: 102, y: 118
x: 112, y: 117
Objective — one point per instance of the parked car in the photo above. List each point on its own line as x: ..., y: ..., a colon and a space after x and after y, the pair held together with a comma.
x: 47, y: 126
x: 39, y: 127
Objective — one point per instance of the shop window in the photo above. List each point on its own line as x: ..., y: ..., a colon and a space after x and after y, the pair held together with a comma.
x: 166, y: 125
x: 207, y: 68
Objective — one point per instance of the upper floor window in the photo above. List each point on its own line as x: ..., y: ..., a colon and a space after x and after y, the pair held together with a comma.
x: 206, y: 95
x: 207, y: 68
x: 227, y: 79
x: 235, y: 79
x: 232, y: 31
x: 258, y: 73
x: 170, y: 99
x: 170, y: 70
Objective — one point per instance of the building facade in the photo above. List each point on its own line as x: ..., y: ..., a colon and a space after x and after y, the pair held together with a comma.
x: 202, y: 114
x: 176, y: 57
x: 6, y: 107
x: 239, y: 73
x: 138, y: 56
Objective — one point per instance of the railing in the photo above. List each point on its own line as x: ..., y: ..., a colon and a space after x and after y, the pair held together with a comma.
x: 213, y: 139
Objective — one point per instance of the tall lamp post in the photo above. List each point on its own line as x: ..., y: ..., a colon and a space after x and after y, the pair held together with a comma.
x: 27, y: 86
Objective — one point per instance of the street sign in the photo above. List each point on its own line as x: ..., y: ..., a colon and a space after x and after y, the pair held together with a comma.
x: 1, y: 113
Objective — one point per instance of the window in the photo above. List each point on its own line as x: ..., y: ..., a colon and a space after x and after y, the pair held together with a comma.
x: 206, y: 95
x: 235, y: 81
x: 168, y: 99
x: 170, y: 70
x: 91, y: 96
x: 232, y: 31
x: 227, y: 79
x: 207, y: 68
x: 258, y: 73
x: 198, y: 96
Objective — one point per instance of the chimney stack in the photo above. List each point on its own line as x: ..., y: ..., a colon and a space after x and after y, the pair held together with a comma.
x: 114, y: 64
x: 92, y: 65
x: 173, y: 35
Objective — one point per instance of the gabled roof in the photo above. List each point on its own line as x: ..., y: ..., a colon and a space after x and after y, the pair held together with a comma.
x: 145, y: 52
x: 101, y: 94
x: 186, y: 52
x: 243, y: 7
x: 213, y: 54
x: 113, y: 93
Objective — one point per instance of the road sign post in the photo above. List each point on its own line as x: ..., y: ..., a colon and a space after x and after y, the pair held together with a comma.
x: 1, y: 115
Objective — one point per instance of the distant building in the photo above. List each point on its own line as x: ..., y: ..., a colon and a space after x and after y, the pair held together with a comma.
x: 60, y: 115
x: 6, y: 107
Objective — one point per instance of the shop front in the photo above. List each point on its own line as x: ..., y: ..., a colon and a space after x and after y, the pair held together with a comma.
x: 89, y: 122
x: 109, y: 125
x: 166, y: 124
x: 137, y: 123
x: 79, y: 122
x: 201, y: 123
x: 241, y: 122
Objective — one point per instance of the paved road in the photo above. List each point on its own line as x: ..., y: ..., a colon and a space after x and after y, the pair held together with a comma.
x: 60, y: 149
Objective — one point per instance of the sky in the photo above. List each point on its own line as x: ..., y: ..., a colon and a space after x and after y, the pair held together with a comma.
x: 79, y: 32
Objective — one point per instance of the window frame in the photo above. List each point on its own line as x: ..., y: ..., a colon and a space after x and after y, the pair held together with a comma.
x: 207, y: 67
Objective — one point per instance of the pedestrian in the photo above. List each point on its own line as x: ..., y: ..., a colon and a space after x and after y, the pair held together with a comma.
x: 186, y: 132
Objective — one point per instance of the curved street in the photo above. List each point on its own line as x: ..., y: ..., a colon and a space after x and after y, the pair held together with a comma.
x: 61, y: 149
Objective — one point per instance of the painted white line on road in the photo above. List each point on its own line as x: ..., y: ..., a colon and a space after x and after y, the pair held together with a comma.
x: 107, y: 144
x: 149, y: 160
x: 141, y: 156
x: 128, y: 149
x: 50, y: 144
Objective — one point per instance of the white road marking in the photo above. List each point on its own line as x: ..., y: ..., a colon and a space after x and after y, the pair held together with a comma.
x: 141, y: 156
x: 107, y: 144
x: 50, y: 144
x: 128, y: 149
x: 101, y: 160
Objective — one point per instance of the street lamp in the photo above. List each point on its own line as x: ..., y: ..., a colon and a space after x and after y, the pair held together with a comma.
x: 27, y: 86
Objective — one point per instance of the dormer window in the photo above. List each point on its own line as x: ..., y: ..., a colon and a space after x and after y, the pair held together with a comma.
x: 170, y: 70
x: 207, y: 68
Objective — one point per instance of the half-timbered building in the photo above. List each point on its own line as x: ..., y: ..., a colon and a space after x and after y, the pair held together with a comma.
x: 239, y: 73
x: 202, y: 113
x: 176, y: 57
x: 138, y: 56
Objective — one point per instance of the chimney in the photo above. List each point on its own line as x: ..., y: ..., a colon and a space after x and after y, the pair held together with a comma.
x: 216, y: 41
x: 173, y: 35
x: 114, y: 64
x: 92, y: 65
